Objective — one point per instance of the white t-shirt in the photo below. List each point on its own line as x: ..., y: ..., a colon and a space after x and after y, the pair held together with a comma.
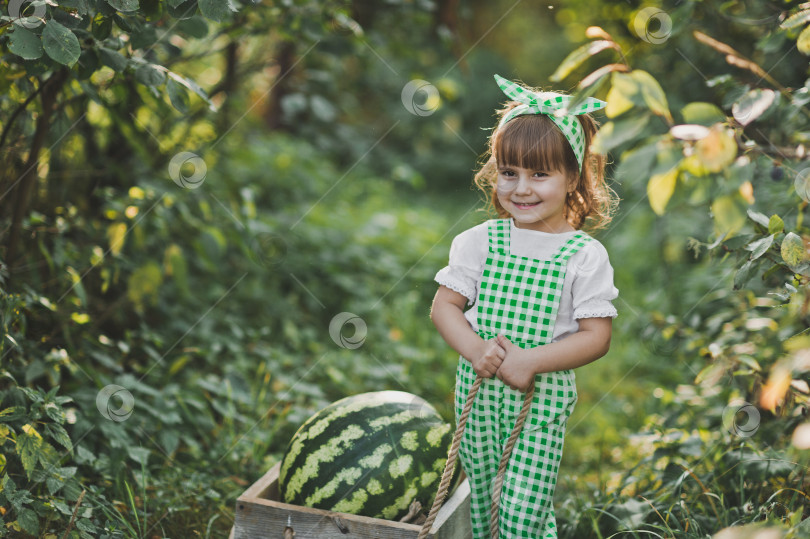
x: 587, y: 289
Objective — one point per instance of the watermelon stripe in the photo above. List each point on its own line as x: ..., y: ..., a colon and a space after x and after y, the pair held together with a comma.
x: 375, y: 459
x: 349, y: 475
x: 371, y: 454
x: 353, y: 505
x: 401, y: 504
x: 319, y: 426
x: 297, y: 459
x: 436, y: 434
x: 409, y: 440
x: 326, y: 453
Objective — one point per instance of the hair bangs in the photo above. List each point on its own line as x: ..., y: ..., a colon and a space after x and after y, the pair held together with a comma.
x: 534, y: 142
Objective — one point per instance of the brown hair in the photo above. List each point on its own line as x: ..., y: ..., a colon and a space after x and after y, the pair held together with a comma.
x: 534, y: 141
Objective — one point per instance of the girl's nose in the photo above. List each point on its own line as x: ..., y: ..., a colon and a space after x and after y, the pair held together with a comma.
x: 522, y: 185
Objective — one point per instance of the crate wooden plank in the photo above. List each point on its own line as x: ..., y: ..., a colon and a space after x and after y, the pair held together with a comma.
x: 259, y: 514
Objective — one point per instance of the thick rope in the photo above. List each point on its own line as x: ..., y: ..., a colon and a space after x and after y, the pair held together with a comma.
x: 497, y: 485
x: 447, y: 475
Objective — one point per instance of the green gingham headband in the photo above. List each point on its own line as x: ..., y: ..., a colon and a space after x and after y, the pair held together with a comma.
x: 555, y: 106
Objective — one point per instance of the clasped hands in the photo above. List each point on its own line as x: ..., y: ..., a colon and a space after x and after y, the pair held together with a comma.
x: 509, y: 362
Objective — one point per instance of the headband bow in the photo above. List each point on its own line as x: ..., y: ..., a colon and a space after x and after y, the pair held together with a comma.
x: 555, y: 106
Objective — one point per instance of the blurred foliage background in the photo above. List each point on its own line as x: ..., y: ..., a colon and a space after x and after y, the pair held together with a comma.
x: 193, y: 189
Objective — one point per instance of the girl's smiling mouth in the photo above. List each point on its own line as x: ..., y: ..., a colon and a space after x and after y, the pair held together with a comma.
x: 525, y: 205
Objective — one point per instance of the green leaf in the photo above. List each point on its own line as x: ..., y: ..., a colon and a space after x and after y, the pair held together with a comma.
x: 750, y: 362
x: 149, y: 75
x: 25, y: 44
x: 624, y: 93
x: 803, y: 42
x: 12, y: 413
x: 775, y: 224
x: 796, y: 20
x: 139, y: 454
x: 743, y: 274
x: 653, y: 94
x: 177, y: 95
x: 595, y: 79
x: 729, y: 214
x: 54, y: 484
x: 182, y: 9
x: 8, y: 485
x: 113, y: 59
x: 575, y: 59
x: 143, y: 38
x: 667, y: 157
x: 702, y: 113
x: 794, y: 253
x: 216, y: 10
x: 758, y: 218
x: 29, y: 521
x: 194, y: 26
x: 617, y: 132
x: 175, y: 263
x: 28, y: 448
x: 144, y: 284
x: 760, y: 247
x: 660, y: 189
x: 60, y: 43
x: 78, y: 287
x: 101, y: 27
x: 57, y: 479
x: 752, y: 105
x: 124, y: 5
x: 636, y: 163
x: 712, y: 371
x: 194, y: 87
x: 61, y: 507
x: 87, y: 526
x: 587, y: 90
x: 123, y: 23
x: 58, y: 433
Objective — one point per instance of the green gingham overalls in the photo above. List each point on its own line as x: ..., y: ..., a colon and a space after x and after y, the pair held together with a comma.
x: 519, y: 298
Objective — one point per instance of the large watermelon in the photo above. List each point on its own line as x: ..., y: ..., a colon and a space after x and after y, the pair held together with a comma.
x: 370, y: 454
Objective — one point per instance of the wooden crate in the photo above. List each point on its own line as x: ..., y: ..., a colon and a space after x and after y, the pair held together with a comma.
x: 259, y: 514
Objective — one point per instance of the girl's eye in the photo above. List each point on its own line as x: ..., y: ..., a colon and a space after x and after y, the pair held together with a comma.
x: 541, y: 174
x: 508, y: 173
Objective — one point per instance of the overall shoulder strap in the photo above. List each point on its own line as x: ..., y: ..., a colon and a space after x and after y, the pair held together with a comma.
x: 572, y: 246
x: 498, y: 235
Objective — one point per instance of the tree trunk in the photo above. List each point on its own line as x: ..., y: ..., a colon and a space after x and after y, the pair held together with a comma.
x: 447, y: 17
x: 21, y: 193
x: 285, y: 60
x: 228, y: 84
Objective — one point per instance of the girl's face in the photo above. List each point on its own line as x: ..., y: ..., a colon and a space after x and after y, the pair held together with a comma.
x: 534, y: 198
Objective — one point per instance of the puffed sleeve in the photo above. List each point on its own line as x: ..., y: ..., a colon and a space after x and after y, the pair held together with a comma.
x: 465, y: 264
x: 592, y: 288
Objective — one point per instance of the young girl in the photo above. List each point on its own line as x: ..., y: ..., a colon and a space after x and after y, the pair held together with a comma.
x: 541, y: 293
